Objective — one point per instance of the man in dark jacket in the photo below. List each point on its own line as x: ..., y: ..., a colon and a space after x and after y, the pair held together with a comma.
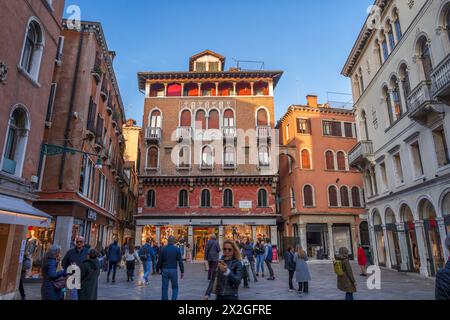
x: 212, y: 251
x: 90, y: 272
x: 443, y: 278
x: 76, y: 255
x: 249, y: 251
x: 114, y: 257
x: 289, y: 265
x: 169, y: 259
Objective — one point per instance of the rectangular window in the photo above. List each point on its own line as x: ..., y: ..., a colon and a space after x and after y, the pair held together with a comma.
x: 440, y: 144
x: 398, y: 168
x: 327, y: 128
x: 87, y: 177
x: 417, y: 159
x: 213, y: 67
x: 200, y: 66
x: 304, y: 126
x: 287, y: 133
x: 332, y: 128
x: 384, y: 178
x: 348, y: 127
x: 101, y: 194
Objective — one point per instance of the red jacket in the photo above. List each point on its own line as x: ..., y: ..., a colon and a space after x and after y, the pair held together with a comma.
x: 362, y: 259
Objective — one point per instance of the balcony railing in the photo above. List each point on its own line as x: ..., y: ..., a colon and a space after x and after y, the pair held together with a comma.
x: 184, y: 133
x: 362, y: 150
x: 441, y: 78
x: 153, y: 134
x: 264, y: 132
x: 229, y: 132
x: 420, y: 96
x: 229, y: 166
x: 206, y: 166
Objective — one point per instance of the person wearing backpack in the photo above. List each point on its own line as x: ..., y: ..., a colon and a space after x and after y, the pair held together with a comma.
x: 147, y: 255
x: 268, y: 257
x: 345, y: 279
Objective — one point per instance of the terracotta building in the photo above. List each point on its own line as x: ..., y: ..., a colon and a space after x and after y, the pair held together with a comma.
x: 132, y: 136
x: 321, y: 196
x: 208, y: 161
x: 83, y: 180
x: 30, y: 36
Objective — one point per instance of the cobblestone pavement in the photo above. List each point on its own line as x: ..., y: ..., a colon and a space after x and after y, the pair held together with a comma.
x: 394, y: 286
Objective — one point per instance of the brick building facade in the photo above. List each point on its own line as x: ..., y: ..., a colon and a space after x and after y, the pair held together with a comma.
x: 208, y: 161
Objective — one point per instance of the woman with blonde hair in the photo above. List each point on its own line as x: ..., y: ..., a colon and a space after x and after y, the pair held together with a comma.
x: 227, y: 277
x: 302, y: 271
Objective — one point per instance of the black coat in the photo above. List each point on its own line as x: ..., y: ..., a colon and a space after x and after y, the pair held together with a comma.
x: 443, y: 283
x: 75, y: 256
x: 90, y: 271
x: 223, y: 285
x: 289, y: 263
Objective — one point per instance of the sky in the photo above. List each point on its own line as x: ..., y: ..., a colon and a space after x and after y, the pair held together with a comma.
x: 308, y: 39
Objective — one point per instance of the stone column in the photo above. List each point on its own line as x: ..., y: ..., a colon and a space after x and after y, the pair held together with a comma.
x: 422, y: 248
x: 252, y: 86
x: 373, y: 241
x: 191, y: 237
x: 138, y: 240
x: 274, y: 236
x: 63, y: 232
x: 443, y: 236
x: 303, y: 241
x: 165, y: 89
x: 158, y: 235
x: 403, y: 99
x: 182, y: 89
x: 254, y: 233
x: 403, y: 246
x: 330, y: 241
x: 199, y: 89
x: 234, y: 89
x: 221, y: 236
x: 387, y: 248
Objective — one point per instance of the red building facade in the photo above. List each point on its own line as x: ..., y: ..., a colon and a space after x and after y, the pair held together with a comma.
x: 208, y: 162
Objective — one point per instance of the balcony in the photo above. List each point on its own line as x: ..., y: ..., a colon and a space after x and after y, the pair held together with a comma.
x: 184, y: 167
x: 363, y: 151
x: 229, y: 166
x: 229, y: 133
x: 264, y: 133
x: 423, y: 108
x: 153, y: 135
x: 184, y: 133
x: 441, y: 80
x: 206, y: 166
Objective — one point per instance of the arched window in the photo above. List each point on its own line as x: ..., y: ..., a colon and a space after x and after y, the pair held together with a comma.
x: 229, y: 157
x: 262, y: 198
x: 228, y: 201
x: 185, y: 118
x: 378, y: 52
x: 262, y: 118
x: 174, y: 90
x: 184, y: 158
x: 214, y: 120
x: 207, y: 157
x: 397, y: 25
x: 396, y: 96
x: 263, y: 156
x: 342, y: 163
x: 32, y: 49
x: 155, y: 119
x: 345, y: 201
x: 390, y: 35
x: 406, y: 84
x: 206, y: 199
x: 16, y: 142
x: 333, y: 196
x: 306, y: 159
x: 183, y: 199
x: 200, y: 120
x: 152, y: 158
x: 151, y: 199
x: 356, y: 197
x: 329, y: 159
x: 425, y: 55
x: 308, y: 196
x: 228, y: 119
x: 387, y: 99
x: 384, y: 47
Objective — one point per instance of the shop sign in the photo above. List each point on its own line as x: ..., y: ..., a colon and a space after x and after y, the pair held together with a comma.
x: 204, y: 223
x: 140, y: 210
x: 92, y: 215
x: 245, y: 205
x: 162, y: 223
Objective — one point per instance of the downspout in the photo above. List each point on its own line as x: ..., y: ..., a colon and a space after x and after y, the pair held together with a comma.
x: 71, y: 107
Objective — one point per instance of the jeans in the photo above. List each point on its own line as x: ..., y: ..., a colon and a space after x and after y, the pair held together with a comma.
x: 172, y: 276
x: 113, y: 267
x: 303, y: 287
x: 260, y: 263
x: 252, y: 267
x: 245, y: 275
x: 291, y: 278
x: 212, y: 265
x: 21, y: 289
x: 130, y: 269
x: 269, y: 266
x: 147, y: 269
x: 154, y: 264
x: 349, y: 296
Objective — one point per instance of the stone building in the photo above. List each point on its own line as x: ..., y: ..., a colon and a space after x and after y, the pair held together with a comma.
x: 209, y: 159
x: 399, y: 68
x: 132, y: 136
x: 30, y: 38
x: 321, y: 196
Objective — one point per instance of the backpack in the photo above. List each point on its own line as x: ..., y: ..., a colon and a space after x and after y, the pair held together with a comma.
x: 143, y: 254
x: 338, y: 268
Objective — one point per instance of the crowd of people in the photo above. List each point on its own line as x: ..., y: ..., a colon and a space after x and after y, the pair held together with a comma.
x: 237, y: 262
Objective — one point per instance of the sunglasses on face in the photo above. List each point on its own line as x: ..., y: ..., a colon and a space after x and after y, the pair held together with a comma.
x: 79, y: 241
x: 227, y: 249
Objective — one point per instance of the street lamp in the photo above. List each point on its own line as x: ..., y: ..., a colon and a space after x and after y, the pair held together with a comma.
x: 99, y: 165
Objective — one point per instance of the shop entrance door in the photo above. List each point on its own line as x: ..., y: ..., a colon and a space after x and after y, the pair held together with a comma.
x: 381, y: 249
x: 317, y: 241
x: 435, y: 255
x: 394, y: 246
x: 201, y: 237
x: 413, y: 248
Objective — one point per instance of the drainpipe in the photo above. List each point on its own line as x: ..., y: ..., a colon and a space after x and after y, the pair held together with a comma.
x: 71, y: 107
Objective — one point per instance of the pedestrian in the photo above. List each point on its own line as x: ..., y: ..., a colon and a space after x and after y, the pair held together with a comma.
x: 188, y: 253
x: 155, y: 256
x: 268, y: 257
x: 227, y: 277
x: 53, y: 280
x: 114, y: 258
x: 212, y: 251
x: 302, y: 275
x: 443, y: 278
x: 249, y: 252
x: 26, y: 266
x: 260, y: 251
x: 345, y: 279
x: 75, y: 256
x: 362, y: 261
x: 90, y: 271
x: 131, y: 256
x: 289, y: 265
x: 245, y: 266
x: 169, y: 260
x: 147, y: 256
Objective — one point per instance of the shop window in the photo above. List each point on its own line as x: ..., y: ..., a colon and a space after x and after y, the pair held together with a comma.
x: 356, y: 198
x: 206, y: 199
x: 345, y: 201
x: 441, y: 147
x: 342, y: 238
x: 329, y: 157
x: 333, y: 197
x: 303, y: 126
x: 214, y: 120
x: 228, y: 201
x: 32, y: 50
x: 308, y: 196
x: 262, y: 198
x: 39, y: 241
x: 306, y: 159
x: 417, y: 159
x: 398, y: 168
x: 183, y: 199
x: 342, y: 161
x: 200, y: 120
x: 151, y: 199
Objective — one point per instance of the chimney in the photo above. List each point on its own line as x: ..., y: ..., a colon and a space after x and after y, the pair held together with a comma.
x: 311, y: 101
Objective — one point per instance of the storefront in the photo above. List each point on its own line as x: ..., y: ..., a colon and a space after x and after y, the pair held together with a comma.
x: 39, y: 241
x: 317, y: 239
x: 342, y: 238
x: 380, y: 245
x: 413, y: 249
x: 434, y: 247
x: 394, y: 246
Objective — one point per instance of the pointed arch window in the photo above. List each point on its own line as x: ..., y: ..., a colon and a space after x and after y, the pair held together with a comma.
x: 333, y: 196
x: 214, y: 120
x: 345, y: 201
x: 155, y: 119
x: 308, y: 196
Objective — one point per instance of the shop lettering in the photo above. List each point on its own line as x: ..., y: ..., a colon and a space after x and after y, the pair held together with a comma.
x: 195, y: 311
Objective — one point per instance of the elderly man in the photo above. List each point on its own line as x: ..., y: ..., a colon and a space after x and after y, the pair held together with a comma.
x: 212, y: 251
x: 443, y: 278
x: 168, y: 262
x: 76, y: 256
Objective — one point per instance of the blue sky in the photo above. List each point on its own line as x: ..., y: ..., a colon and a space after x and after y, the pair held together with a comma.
x: 308, y: 39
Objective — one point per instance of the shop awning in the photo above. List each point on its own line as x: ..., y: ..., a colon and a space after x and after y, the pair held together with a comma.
x: 17, y: 212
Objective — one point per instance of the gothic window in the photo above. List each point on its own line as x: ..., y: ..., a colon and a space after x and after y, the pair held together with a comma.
x: 262, y: 198
x: 308, y: 196
x: 333, y: 196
